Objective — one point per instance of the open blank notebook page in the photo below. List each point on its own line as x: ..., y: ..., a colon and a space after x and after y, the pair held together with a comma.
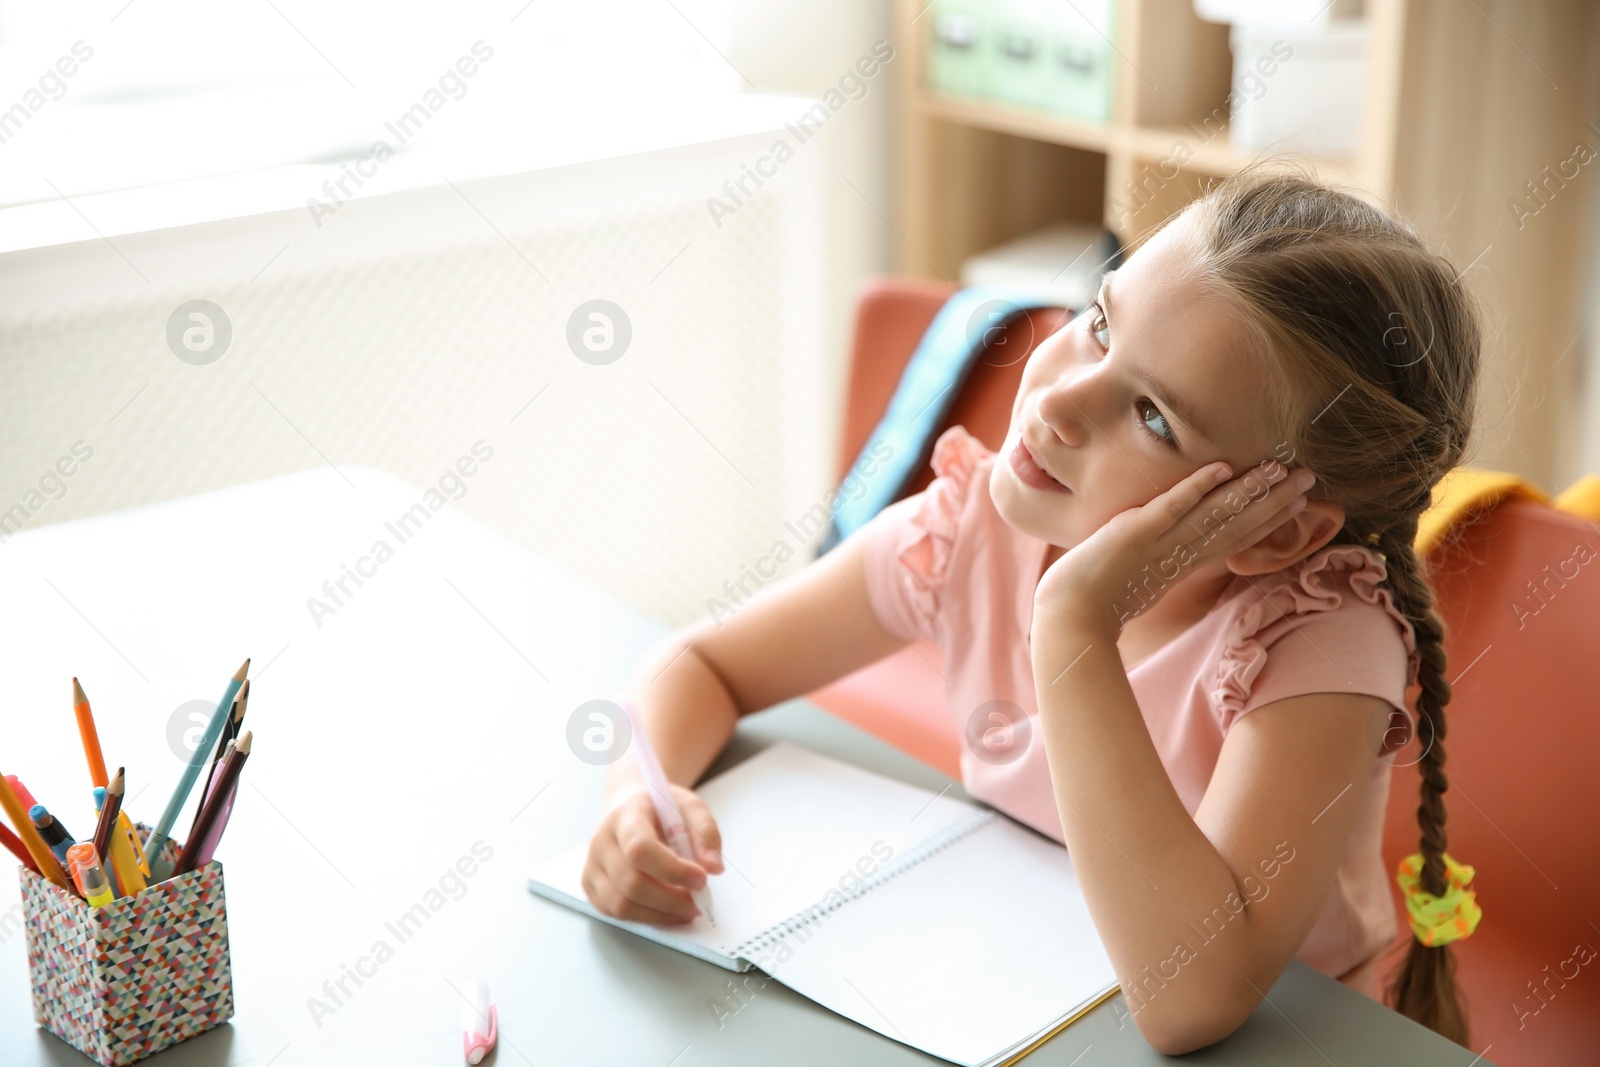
x: 930, y: 919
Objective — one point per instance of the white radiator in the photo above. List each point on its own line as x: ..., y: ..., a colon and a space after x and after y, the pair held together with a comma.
x: 404, y: 328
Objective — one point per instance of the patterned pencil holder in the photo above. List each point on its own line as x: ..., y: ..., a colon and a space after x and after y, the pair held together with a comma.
x: 138, y: 975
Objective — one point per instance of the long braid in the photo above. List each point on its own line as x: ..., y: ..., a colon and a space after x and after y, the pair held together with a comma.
x: 1424, y: 988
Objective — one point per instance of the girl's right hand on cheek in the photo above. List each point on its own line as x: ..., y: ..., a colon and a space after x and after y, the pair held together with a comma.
x: 631, y: 872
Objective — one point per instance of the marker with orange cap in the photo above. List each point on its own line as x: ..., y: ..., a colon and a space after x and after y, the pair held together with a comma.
x: 86, y: 871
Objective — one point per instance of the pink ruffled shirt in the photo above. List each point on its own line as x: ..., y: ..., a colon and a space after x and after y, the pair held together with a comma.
x: 943, y: 566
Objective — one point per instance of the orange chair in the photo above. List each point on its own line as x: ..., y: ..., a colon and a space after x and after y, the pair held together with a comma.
x: 1524, y: 722
x: 1522, y: 745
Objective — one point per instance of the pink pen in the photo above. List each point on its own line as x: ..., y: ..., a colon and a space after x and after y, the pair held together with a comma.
x: 208, y: 844
x: 480, y: 1025
x: 667, y: 812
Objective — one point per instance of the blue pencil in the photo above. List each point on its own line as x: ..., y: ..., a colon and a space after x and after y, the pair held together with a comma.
x: 158, y: 836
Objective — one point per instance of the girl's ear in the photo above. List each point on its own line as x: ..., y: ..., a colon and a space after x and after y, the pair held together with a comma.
x: 1291, y: 541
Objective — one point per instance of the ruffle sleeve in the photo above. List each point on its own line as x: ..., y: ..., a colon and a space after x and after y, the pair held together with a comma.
x: 1327, y: 625
x: 909, y: 543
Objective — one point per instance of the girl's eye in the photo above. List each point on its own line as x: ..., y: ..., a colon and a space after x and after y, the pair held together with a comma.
x: 1155, y: 422
x: 1098, y: 327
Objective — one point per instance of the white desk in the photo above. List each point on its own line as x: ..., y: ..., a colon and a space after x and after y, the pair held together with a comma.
x: 425, y: 716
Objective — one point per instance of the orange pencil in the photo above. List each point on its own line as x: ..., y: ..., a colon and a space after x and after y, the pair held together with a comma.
x: 48, y: 865
x: 91, y: 740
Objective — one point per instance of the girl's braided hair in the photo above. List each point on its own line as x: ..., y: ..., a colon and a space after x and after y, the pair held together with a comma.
x: 1378, y: 344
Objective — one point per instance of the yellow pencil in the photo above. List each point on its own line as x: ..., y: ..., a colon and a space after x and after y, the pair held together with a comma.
x: 48, y: 865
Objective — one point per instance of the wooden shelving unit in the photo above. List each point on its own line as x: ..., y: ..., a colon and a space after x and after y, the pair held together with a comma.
x: 1464, y: 104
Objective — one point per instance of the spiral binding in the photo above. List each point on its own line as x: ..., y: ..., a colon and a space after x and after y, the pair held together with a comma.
x: 806, y: 916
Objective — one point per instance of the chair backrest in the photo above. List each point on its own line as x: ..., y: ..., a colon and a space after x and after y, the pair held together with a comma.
x: 892, y: 314
x: 1519, y: 590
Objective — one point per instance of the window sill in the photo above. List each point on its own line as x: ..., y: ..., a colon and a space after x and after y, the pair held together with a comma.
x: 46, y: 205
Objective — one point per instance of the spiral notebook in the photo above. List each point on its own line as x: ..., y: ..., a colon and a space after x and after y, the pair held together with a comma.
x: 937, y: 922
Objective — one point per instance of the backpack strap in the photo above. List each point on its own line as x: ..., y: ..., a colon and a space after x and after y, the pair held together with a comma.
x: 957, y: 336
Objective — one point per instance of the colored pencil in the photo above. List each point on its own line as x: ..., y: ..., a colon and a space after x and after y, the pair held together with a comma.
x: 232, y: 763
x: 230, y: 732
x: 158, y: 836
x: 49, y: 866
x: 211, y: 784
x: 17, y: 848
x: 108, y: 817
x: 206, y: 842
x: 91, y: 739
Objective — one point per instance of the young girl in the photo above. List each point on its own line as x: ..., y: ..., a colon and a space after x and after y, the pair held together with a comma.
x: 1184, y: 590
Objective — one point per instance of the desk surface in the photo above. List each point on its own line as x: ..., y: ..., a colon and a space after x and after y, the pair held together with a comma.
x: 421, y: 721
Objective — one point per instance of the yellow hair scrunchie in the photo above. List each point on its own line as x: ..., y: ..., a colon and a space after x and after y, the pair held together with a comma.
x: 1439, y: 920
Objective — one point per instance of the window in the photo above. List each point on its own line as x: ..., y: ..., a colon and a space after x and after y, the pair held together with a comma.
x: 161, y: 90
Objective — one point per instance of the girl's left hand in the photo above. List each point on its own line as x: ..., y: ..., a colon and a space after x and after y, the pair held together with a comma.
x: 1196, y: 520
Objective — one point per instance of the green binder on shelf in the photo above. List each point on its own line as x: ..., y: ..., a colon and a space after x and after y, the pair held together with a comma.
x: 1048, y: 55
x: 958, y: 50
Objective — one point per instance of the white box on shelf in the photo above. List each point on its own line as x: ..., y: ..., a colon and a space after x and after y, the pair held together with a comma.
x: 1299, y: 13
x: 1061, y: 262
x: 1299, y: 90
